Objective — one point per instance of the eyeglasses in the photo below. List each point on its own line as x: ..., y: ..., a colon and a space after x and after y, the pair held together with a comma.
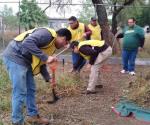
x: 130, y: 22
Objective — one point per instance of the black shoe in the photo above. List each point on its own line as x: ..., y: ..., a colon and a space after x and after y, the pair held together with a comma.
x: 99, y: 86
x: 89, y: 92
x: 17, y: 124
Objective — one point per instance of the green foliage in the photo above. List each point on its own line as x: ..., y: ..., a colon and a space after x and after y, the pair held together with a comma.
x: 144, y: 17
x: 86, y: 12
x: 128, y: 12
x: 11, y: 22
x: 31, y: 14
x: 1, y: 123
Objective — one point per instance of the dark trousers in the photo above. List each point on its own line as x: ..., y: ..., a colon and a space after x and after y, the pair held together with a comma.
x: 75, y: 58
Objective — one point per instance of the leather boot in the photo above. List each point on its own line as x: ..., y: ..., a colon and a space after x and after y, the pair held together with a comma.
x: 37, y: 120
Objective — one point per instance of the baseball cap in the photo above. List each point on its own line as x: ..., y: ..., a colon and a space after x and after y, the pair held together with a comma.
x: 93, y: 18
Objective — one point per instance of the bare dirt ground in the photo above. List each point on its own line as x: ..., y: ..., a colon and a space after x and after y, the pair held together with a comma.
x: 81, y: 109
x: 95, y: 109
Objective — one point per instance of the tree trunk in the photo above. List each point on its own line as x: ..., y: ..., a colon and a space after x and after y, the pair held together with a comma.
x: 107, y: 35
x: 102, y: 20
x: 26, y: 28
x: 114, y: 24
x: 116, y: 11
x: 31, y: 27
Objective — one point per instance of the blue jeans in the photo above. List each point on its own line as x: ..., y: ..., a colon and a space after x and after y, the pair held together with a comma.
x: 128, y: 59
x: 75, y: 58
x: 23, y: 90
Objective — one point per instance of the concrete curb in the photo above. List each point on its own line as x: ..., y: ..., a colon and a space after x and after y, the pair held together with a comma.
x: 112, y: 60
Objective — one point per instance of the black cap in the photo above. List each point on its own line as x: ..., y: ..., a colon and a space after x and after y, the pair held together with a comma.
x: 93, y: 18
x: 72, y: 18
x: 73, y: 44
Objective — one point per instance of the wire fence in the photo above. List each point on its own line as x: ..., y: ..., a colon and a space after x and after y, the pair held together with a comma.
x: 81, y: 4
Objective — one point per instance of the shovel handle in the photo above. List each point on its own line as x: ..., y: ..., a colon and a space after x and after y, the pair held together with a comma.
x: 53, y: 78
x: 61, y: 51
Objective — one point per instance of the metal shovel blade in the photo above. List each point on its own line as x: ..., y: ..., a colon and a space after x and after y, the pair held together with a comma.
x: 55, y: 97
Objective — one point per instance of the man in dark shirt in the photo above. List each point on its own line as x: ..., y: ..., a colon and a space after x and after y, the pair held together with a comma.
x: 96, y: 52
x: 25, y: 56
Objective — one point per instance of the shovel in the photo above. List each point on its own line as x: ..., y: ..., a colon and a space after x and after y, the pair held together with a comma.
x: 53, y: 67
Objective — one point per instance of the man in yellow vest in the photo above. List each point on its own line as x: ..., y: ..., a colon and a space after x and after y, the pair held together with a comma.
x: 26, y: 55
x: 95, y: 51
x: 80, y: 32
x: 95, y: 28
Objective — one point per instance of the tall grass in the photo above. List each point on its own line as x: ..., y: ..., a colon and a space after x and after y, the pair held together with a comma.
x: 4, y: 89
x: 1, y: 123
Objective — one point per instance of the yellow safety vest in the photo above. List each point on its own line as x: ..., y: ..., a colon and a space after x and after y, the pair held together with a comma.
x: 96, y: 32
x: 48, y: 50
x: 77, y: 34
x: 92, y: 43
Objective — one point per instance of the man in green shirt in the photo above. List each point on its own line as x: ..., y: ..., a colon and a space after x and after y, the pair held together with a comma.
x: 133, y: 40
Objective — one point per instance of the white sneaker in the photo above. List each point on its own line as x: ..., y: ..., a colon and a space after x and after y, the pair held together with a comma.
x: 123, y: 71
x: 132, y: 73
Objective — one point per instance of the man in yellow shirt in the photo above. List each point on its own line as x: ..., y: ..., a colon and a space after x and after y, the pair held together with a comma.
x: 79, y: 32
x: 95, y: 28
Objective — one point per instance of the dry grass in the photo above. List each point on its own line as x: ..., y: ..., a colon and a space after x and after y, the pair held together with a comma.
x: 69, y: 84
x: 139, y: 91
x: 5, y: 94
x: 7, y: 37
x: 146, y: 52
x: 66, y: 85
x: 5, y: 89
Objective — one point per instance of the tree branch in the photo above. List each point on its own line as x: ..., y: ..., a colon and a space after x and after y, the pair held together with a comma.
x: 126, y: 2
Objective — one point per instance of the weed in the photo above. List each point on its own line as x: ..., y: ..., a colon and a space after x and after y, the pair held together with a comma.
x: 69, y: 84
x: 1, y: 123
x: 4, y: 89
